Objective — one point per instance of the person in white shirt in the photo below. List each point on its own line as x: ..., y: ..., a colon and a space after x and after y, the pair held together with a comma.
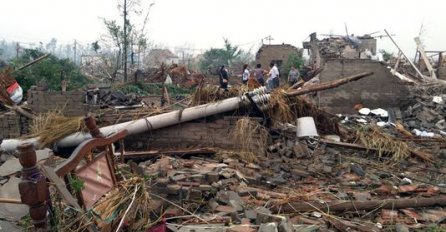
x: 245, y: 75
x: 273, y: 76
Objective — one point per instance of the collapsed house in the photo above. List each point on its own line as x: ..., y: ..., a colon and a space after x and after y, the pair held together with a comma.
x: 325, y: 156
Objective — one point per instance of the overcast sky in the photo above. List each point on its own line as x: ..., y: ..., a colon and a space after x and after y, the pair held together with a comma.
x: 202, y: 24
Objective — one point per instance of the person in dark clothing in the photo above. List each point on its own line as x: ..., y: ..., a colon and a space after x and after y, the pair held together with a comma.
x: 258, y: 73
x: 224, y: 77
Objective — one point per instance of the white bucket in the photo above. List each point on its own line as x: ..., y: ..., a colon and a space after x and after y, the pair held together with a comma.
x: 306, y: 127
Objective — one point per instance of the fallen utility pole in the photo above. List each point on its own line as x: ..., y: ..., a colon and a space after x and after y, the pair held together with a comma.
x: 339, y: 206
x: 258, y: 96
x: 328, y: 85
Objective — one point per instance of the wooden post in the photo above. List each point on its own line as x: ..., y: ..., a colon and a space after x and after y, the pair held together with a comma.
x: 90, y: 123
x: 33, y: 188
x: 397, y: 63
x: 420, y: 49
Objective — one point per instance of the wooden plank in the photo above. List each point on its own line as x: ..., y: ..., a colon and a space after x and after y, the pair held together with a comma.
x: 60, y: 185
x: 10, y: 201
x: 426, y: 60
x: 397, y: 62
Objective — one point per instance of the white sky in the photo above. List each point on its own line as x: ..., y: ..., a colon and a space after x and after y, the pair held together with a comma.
x: 202, y: 24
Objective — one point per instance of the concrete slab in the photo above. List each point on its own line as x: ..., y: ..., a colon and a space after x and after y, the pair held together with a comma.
x: 12, y: 212
x: 6, y: 226
x: 12, y: 166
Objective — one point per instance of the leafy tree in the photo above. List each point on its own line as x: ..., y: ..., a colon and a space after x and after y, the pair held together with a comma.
x: 128, y: 39
x: 212, y: 59
x: 231, y: 52
x: 228, y: 56
x: 50, y: 71
x: 294, y: 59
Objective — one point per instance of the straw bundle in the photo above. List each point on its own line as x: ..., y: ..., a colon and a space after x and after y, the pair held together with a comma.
x: 252, y: 138
x: 208, y: 94
x: 53, y: 126
x: 130, y: 200
x: 372, y: 138
x: 279, y: 106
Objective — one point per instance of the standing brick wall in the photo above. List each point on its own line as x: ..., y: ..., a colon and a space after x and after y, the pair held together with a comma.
x: 381, y: 90
x: 13, y: 125
x: 71, y: 102
x: 195, y: 134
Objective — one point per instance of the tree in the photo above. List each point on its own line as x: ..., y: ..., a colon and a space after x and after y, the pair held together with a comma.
x: 228, y: 56
x: 294, y: 59
x: 231, y: 52
x: 49, y: 71
x: 127, y: 37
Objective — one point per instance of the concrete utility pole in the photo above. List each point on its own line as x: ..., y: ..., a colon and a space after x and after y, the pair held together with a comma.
x: 125, y: 41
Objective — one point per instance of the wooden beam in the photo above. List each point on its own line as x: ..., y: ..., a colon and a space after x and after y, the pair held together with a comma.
x: 397, y: 63
x: 425, y: 59
x: 407, y: 58
x: 328, y: 85
x: 340, y: 206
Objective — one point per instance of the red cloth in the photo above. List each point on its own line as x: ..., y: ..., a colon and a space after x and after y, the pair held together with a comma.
x: 159, y: 228
x: 13, y: 87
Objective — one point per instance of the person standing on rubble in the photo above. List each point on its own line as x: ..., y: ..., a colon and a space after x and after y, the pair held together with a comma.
x: 224, y: 77
x: 245, y: 75
x: 273, y: 76
x: 258, y: 74
x: 293, y: 75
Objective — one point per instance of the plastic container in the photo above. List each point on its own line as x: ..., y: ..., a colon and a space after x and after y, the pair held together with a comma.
x: 306, y: 127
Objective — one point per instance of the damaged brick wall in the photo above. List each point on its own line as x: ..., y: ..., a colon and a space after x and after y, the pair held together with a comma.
x: 215, y: 133
x: 71, y: 102
x: 381, y: 90
x: 13, y: 125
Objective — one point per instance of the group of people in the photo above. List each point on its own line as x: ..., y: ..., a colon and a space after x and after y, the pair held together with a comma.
x: 259, y: 74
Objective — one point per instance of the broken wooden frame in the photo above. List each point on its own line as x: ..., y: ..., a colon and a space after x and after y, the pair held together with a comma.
x: 99, y: 180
